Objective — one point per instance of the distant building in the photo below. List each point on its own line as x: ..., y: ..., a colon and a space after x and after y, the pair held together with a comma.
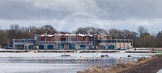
x: 72, y: 42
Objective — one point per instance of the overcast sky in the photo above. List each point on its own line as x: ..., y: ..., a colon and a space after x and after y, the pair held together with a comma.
x: 67, y: 15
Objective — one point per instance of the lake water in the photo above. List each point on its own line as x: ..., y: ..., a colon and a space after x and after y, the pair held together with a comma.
x: 32, y: 65
x: 47, y: 62
x: 39, y: 68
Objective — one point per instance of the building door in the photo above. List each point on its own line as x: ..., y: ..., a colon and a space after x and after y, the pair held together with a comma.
x: 112, y: 47
x: 50, y: 47
x: 31, y: 47
x: 60, y: 46
x: 72, y: 46
x: 82, y: 46
x: 41, y: 47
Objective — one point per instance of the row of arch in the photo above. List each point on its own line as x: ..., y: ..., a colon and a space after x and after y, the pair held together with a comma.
x: 71, y: 47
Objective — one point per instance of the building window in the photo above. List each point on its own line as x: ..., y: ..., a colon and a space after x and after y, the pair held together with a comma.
x: 31, y: 47
x: 111, y: 47
x: 90, y: 47
x: 42, y: 38
x: 82, y: 47
x: 50, y: 47
x: 72, y: 46
x: 41, y: 47
x: 60, y: 46
x: 63, y: 39
x: 102, y: 47
x: 20, y: 47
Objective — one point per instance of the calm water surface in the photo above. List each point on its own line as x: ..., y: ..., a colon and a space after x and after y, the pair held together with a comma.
x: 48, y: 65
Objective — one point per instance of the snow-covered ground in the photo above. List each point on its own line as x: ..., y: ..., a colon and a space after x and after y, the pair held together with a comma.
x: 77, y: 55
x: 160, y: 71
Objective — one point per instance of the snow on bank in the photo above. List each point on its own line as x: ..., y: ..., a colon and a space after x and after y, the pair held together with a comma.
x: 77, y: 55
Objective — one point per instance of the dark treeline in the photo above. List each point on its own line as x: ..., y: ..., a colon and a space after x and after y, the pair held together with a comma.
x: 142, y: 38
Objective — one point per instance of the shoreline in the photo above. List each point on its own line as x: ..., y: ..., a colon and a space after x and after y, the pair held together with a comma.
x: 76, y: 55
x: 151, y: 66
x: 143, y: 65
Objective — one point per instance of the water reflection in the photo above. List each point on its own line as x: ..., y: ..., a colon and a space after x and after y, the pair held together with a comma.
x: 51, y: 65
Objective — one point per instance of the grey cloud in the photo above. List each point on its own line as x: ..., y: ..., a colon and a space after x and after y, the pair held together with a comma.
x: 125, y: 9
x: 17, y: 10
x: 104, y: 9
x: 115, y: 13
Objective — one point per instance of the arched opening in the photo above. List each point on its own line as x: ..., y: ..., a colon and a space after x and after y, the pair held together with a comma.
x: 112, y: 47
x: 41, y: 47
x: 31, y: 47
x: 50, y: 47
x: 72, y: 46
x: 82, y: 46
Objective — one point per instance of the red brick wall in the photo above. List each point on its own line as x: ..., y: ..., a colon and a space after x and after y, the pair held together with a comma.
x: 79, y: 38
